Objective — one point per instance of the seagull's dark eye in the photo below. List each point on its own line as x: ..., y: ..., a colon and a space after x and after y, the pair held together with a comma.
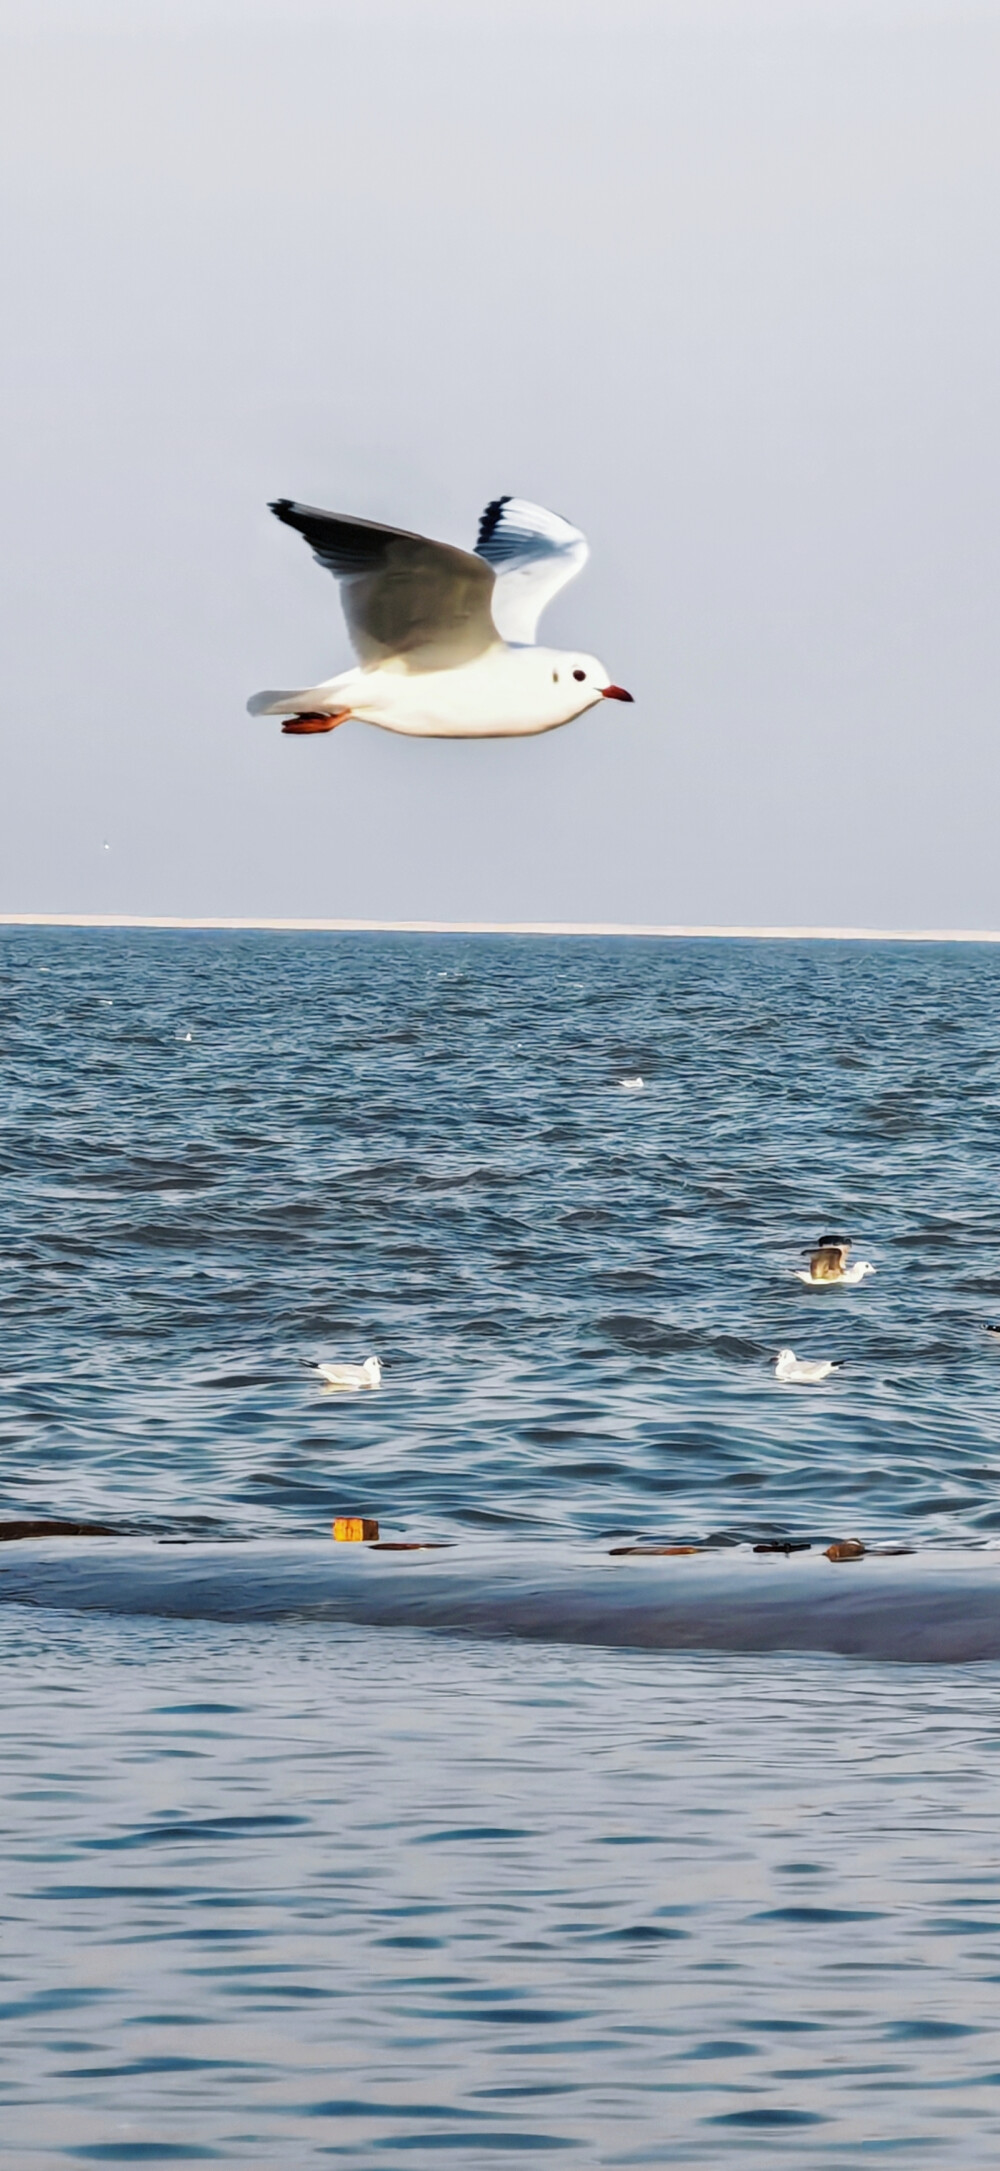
x: 555, y: 678
x: 579, y: 674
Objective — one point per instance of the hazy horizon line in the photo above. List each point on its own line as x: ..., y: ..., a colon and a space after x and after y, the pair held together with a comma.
x: 208, y: 923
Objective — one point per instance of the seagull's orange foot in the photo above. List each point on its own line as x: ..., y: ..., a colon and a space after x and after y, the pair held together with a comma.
x: 300, y: 727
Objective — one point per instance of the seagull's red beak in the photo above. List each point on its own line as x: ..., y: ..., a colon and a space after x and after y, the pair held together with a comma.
x: 615, y: 693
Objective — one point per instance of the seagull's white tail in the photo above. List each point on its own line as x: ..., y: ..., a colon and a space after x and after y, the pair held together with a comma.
x: 322, y: 700
x: 273, y: 703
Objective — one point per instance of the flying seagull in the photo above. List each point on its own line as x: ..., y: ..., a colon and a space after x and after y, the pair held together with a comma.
x: 445, y: 638
x: 828, y: 1263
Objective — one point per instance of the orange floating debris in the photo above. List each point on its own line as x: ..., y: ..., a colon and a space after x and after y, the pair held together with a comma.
x: 845, y: 1549
x: 355, y: 1529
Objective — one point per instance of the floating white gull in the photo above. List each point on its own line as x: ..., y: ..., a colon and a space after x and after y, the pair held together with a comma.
x: 351, y: 1377
x: 445, y: 637
x: 632, y: 1085
x: 828, y: 1265
x: 800, y: 1370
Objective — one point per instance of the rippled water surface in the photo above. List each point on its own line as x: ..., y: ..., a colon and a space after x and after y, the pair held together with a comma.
x: 289, y: 1899
x: 295, y: 1891
x: 223, y: 1155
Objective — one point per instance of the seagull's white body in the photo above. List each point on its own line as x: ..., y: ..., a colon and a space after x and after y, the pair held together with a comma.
x: 351, y: 1377
x: 632, y: 1085
x: 446, y: 637
x: 508, y: 693
x: 799, y: 1370
x: 848, y: 1279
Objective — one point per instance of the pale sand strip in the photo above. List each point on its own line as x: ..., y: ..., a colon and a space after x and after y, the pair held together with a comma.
x: 506, y: 927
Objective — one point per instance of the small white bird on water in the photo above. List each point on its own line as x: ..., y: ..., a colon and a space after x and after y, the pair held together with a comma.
x: 351, y: 1377
x: 632, y: 1085
x: 828, y: 1265
x: 800, y: 1370
x: 445, y: 637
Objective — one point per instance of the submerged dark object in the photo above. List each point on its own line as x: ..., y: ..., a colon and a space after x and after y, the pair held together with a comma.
x: 936, y: 1607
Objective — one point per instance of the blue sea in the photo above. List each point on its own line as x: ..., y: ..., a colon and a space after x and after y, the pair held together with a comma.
x: 519, y: 1845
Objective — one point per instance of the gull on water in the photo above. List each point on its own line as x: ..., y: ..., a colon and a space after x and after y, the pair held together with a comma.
x: 800, y: 1370
x: 828, y: 1265
x: 351, y: 1377
x: 632, y: 1085
x: 445, y: 638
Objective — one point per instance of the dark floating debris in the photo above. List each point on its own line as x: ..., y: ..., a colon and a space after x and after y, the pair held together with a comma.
x: 413, y: 1545
x: 845, y: 1549
x: 355, y: 1529
x: 220, y: 1537
x: 785, y: 1545
x: 615, y: 1552
x: 31, y: 1529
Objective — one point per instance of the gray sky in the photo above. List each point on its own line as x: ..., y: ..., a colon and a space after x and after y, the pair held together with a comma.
x: 718, y: 279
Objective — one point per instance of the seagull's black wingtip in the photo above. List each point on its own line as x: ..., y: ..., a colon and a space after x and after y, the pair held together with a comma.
x: 491, y: 520
x: 281, y: 507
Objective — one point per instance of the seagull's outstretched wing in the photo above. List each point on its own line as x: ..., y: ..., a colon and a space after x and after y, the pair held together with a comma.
x: 534, y: 554
x: 403, y: 595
